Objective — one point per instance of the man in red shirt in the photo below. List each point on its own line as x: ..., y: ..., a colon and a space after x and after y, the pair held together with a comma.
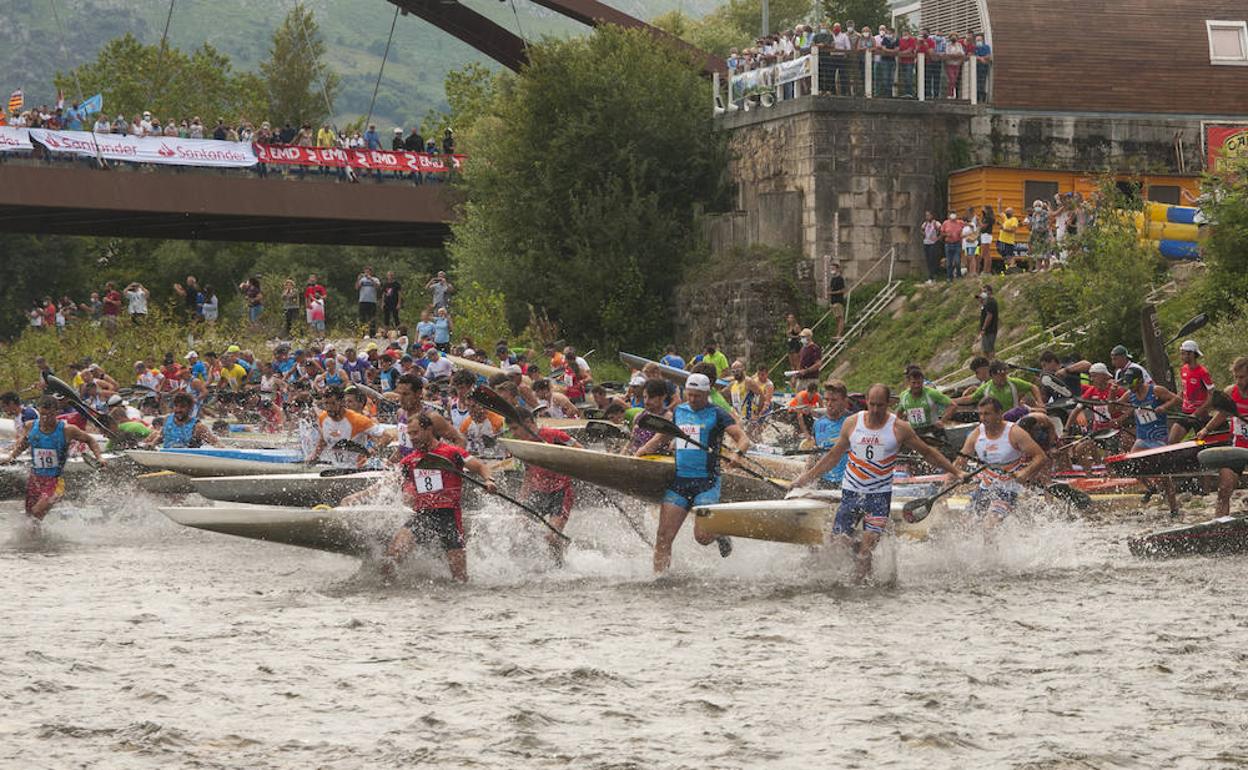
x: 931, y: 66
x: 1100, y: 417
x: 548, y: 492
x: 111, y: 307
x: 1195, y: 384
x: 951, y: 234
x: 907, y: 59
x: 434, y: 496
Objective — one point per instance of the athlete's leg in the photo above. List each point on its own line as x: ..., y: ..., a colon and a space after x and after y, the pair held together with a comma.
x: 671, y: 517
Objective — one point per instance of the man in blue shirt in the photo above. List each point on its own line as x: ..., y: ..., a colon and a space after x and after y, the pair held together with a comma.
x: 671, y: 359
x: 371, y: 140
x: 827, y: 429
x: 697, y: 471
x: 11, y: 406
x: 983, y: 66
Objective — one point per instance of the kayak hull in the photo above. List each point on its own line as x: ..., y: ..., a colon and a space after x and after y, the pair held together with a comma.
x: 801, y: 520
x: 1217, y: 537
x: 646, y: 478
x: 197, y: 464
x: 358, y: 532
x: 295, y: 489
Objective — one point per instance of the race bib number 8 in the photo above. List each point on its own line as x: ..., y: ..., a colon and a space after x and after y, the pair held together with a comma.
x: 46, y: 459
x: 427, y: 481
x: 694, y: 432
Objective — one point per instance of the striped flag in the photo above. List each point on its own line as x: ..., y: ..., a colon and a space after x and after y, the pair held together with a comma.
x: 16, y: 101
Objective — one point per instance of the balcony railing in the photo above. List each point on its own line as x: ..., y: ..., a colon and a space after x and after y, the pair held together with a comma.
x: 858, y: 74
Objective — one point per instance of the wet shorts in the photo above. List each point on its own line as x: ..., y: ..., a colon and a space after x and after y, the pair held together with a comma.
x: 997, y: 499
x: 552, y: 504
x: 687, y: 493
x: 872, y: 508
x: 1145, y: 443
x: 39, y: 487
x: 442, y: 524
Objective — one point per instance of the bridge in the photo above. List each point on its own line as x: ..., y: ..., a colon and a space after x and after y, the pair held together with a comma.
x: 76, y: 198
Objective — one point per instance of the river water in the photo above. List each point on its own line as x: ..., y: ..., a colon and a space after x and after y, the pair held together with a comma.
x: 130, y: 642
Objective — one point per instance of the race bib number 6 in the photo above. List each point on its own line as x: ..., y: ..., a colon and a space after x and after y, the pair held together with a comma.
x: 427, y: 481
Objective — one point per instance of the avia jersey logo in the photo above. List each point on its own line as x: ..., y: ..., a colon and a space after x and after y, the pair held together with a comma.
x: 165, y: 151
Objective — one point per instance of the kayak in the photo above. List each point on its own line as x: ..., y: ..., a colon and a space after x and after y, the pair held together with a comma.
x: 164, y: 483
x: 1170, y: 460
x: 77, y: 474
x: 8, y: 429
x: 670, y: 373
x: 476, y: 367
x: 286, y: 488
x: 351, y: 531
x: 646, y: 478
x: 1220, y: 536
x: 799, y: 520
x: 220, y: 462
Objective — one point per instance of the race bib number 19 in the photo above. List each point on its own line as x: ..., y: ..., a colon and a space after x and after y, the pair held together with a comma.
x: 45, y: 459
x: 427, y: 481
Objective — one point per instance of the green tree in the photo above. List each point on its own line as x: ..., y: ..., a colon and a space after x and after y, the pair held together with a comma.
x: 585, y: 178
x: 301, y: 87
x: 171, y: 83
x: 468, y: 93
x: 736, y: 24
x: 1225, y: 205
x: 870, y: 13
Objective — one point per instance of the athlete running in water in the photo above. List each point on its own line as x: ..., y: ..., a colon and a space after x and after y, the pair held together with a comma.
x: 697, y: 471
x: 48, y: 440
x: 548, y: 492
x: 411, y: 391
x: 345, y: 433
x: 1196, y: 384
x: 1228, y: 478
x: 1149, y: 402
x: 827, y: 429
x: 1010, y: 456
x: 872, y: 440
x: 181, y: 428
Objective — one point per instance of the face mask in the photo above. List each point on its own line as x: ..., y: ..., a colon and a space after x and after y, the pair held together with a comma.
x: 983, y: 295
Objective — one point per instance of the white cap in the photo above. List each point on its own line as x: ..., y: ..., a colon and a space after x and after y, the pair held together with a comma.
x: 1099, y: 369
x: 192, y: 354
x: 1190, y: 346
x: 512, y: 369
x: 115, y: 399
x: 698, y: 382
x: 469, y: 353
x: 638, y: 380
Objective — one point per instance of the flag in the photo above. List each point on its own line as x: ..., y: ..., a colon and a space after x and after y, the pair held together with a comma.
x: 93, y: 105
x: 60, y: 100
x: 16, y: 101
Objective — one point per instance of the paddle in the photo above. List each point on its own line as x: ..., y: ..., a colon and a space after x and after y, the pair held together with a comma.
x: 1099, y: 436
x: 1020, y: 368
x: 600, y: 430
x: 653, y: 422
x: 59, y: 386
x: 1195, y: 323
x: 1063, y: 492
x: 917, y: 510
x: 491, y: 400
x: 1127, y: 405
x: 1055, y: 385
x: 1222, y: 402
x: 438, y: 462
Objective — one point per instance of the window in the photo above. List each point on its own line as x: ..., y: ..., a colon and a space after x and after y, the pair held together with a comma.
x: 1038, y: 191
x: 1164, y: 193
x: 1228, y: 42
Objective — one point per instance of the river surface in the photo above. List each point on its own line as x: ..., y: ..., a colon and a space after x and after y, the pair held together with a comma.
x: 130, y: 642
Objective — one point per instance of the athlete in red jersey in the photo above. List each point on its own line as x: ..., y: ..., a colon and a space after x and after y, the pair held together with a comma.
x: 1195, y: 383
x: 1100, y: 417
x: 434, y: 496
x: 550, y: 493
x: 1228, y: 478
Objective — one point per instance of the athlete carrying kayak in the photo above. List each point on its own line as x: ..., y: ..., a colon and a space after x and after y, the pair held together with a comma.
x: 1228, y: 478
x: 48, y: 440
x: 872, y: 439
x: 1009, y: 455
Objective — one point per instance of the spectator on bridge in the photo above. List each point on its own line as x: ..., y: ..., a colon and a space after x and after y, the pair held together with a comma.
x: 954, y: 54
x: 219, y: 130
x: 120, y: 126
x: 325, y: 137
x: 196, y: 128
x: 287, y: 134
x: 305, y: 137
x: 102, y: 126
x: 414, y: 141
x: 983, y: 66
x: 396, y: 142
x: 146, y: 123
x: 885, y: 62
x: 907, y: 64
x: 264, y: 135
x: 371, y: 140
x: 927, y: 46
x: 448, y: 141
x: 866, y: 41
x: 136, y: 126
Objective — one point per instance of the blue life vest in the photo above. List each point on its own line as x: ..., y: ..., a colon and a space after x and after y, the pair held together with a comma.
x: 827, y: 431
x: 48, y: 451
x: 177, y: 436
x: 706, y: 426
x: 1149, y: 425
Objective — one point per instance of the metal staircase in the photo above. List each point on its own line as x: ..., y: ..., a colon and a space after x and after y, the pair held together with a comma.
x: 880, y: 301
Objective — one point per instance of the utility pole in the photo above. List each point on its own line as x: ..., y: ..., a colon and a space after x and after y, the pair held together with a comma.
x: 766, y: 19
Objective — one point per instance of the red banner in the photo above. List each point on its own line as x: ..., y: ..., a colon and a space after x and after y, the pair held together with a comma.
x: 370, y: 160
x: 1223, y: 144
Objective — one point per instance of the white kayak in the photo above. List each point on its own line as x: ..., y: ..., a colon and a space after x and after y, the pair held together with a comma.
x: 287, y: 488
x: 220, y: 462
x: 802, y: 520
x: 78, y: 474
x: 352, y: 531
x: 8, y: 429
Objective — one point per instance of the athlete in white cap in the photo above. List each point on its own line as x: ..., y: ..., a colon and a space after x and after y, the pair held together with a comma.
x: 1195, y: 383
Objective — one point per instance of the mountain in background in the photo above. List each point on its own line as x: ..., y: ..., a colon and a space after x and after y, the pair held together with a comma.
x: 32, y: 49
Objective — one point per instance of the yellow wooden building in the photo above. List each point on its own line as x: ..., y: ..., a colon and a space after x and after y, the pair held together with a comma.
x: 1017, y: 188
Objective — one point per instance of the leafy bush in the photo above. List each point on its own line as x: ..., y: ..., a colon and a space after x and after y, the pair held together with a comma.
x: 1225, y: 204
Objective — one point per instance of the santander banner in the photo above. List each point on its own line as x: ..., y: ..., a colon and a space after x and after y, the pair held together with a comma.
x: 373, y: 160
x: 14, y: 139
x: 168, y: 150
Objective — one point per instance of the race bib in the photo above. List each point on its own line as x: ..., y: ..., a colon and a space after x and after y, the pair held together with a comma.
x: 693, y: 432
x: 916, y: 416
x: 1239, y: 427
x: 46, y: 459
x: 1145, y: 417
x: 426, y: 481
x: 1102, y: 413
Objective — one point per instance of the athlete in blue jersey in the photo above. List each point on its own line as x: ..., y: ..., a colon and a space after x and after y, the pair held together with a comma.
x: 181, y: 429
x: 1150, y: 403
x: 48, y: 440
x: 827, y: 429
x: 697, y: 471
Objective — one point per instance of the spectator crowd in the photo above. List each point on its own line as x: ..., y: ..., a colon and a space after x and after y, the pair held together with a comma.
x: 895, y: 54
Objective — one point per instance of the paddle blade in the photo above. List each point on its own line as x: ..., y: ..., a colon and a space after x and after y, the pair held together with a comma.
x: 1055, y: 385
x: 1218, y: 400
x: 491, y: 400
x: 1069, y: 494
x: 653, y: 422
x: 915, y: 511
x: 435, y: 462
x: 1195, y: 323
